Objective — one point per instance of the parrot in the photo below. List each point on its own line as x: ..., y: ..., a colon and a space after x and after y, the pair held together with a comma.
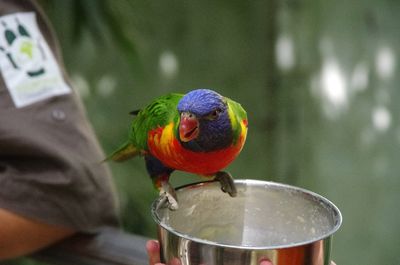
x: 200, y: 132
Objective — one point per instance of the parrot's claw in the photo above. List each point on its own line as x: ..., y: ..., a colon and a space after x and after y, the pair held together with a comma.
x: 168, y: 200
x: 168, y: 197
x: 227, y: 183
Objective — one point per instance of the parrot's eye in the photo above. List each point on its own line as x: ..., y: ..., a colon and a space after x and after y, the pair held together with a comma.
x: 214, y: 114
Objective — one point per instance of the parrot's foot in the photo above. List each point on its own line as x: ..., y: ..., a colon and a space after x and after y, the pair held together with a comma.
x: 168, y: 196
x: 227, y: 183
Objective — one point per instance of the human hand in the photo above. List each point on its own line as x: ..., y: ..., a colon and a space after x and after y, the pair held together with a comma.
x: 153, y: 250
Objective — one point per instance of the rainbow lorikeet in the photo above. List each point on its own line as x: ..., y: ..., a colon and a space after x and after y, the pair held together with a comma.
x: 200, y: 132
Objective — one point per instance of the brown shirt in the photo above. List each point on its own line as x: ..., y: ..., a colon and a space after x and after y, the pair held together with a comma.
x: 50, y: 160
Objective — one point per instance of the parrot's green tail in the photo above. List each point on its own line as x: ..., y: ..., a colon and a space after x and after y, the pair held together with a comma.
x: 126, y: 151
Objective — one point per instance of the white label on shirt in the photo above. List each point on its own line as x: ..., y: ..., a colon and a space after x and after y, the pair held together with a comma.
x: 27, y: 64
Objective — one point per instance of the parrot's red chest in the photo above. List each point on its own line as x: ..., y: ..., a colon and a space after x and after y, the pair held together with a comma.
x: 163, y: 144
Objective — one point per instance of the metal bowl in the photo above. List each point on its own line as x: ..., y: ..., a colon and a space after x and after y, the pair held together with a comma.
x: 267, y: 220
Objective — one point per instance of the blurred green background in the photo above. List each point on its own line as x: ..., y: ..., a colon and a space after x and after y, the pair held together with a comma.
x: 317, y: 78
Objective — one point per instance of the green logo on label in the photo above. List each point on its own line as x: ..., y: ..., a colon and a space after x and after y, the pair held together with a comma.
x: 22, y: 51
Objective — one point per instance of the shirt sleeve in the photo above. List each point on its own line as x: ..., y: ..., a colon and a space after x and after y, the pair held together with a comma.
x: 50, y: 159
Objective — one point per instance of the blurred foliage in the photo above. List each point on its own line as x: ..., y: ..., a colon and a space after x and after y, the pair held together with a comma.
x: 318, y: 79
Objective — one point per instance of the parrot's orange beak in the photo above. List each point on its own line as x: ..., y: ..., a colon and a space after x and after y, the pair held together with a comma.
x: 188, y: 127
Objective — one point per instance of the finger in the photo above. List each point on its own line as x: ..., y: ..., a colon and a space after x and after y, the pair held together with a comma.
x: 153, y: 250
x: 175, y: 261
x: 265, y: 262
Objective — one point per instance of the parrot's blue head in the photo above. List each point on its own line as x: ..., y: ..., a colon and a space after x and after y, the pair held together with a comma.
x: 204, y: 121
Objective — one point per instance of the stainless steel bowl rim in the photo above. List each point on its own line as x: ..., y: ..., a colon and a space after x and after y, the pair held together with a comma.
x: 254, y: 182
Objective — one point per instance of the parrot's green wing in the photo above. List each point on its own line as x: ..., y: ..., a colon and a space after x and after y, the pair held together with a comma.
x: 157, y: 114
